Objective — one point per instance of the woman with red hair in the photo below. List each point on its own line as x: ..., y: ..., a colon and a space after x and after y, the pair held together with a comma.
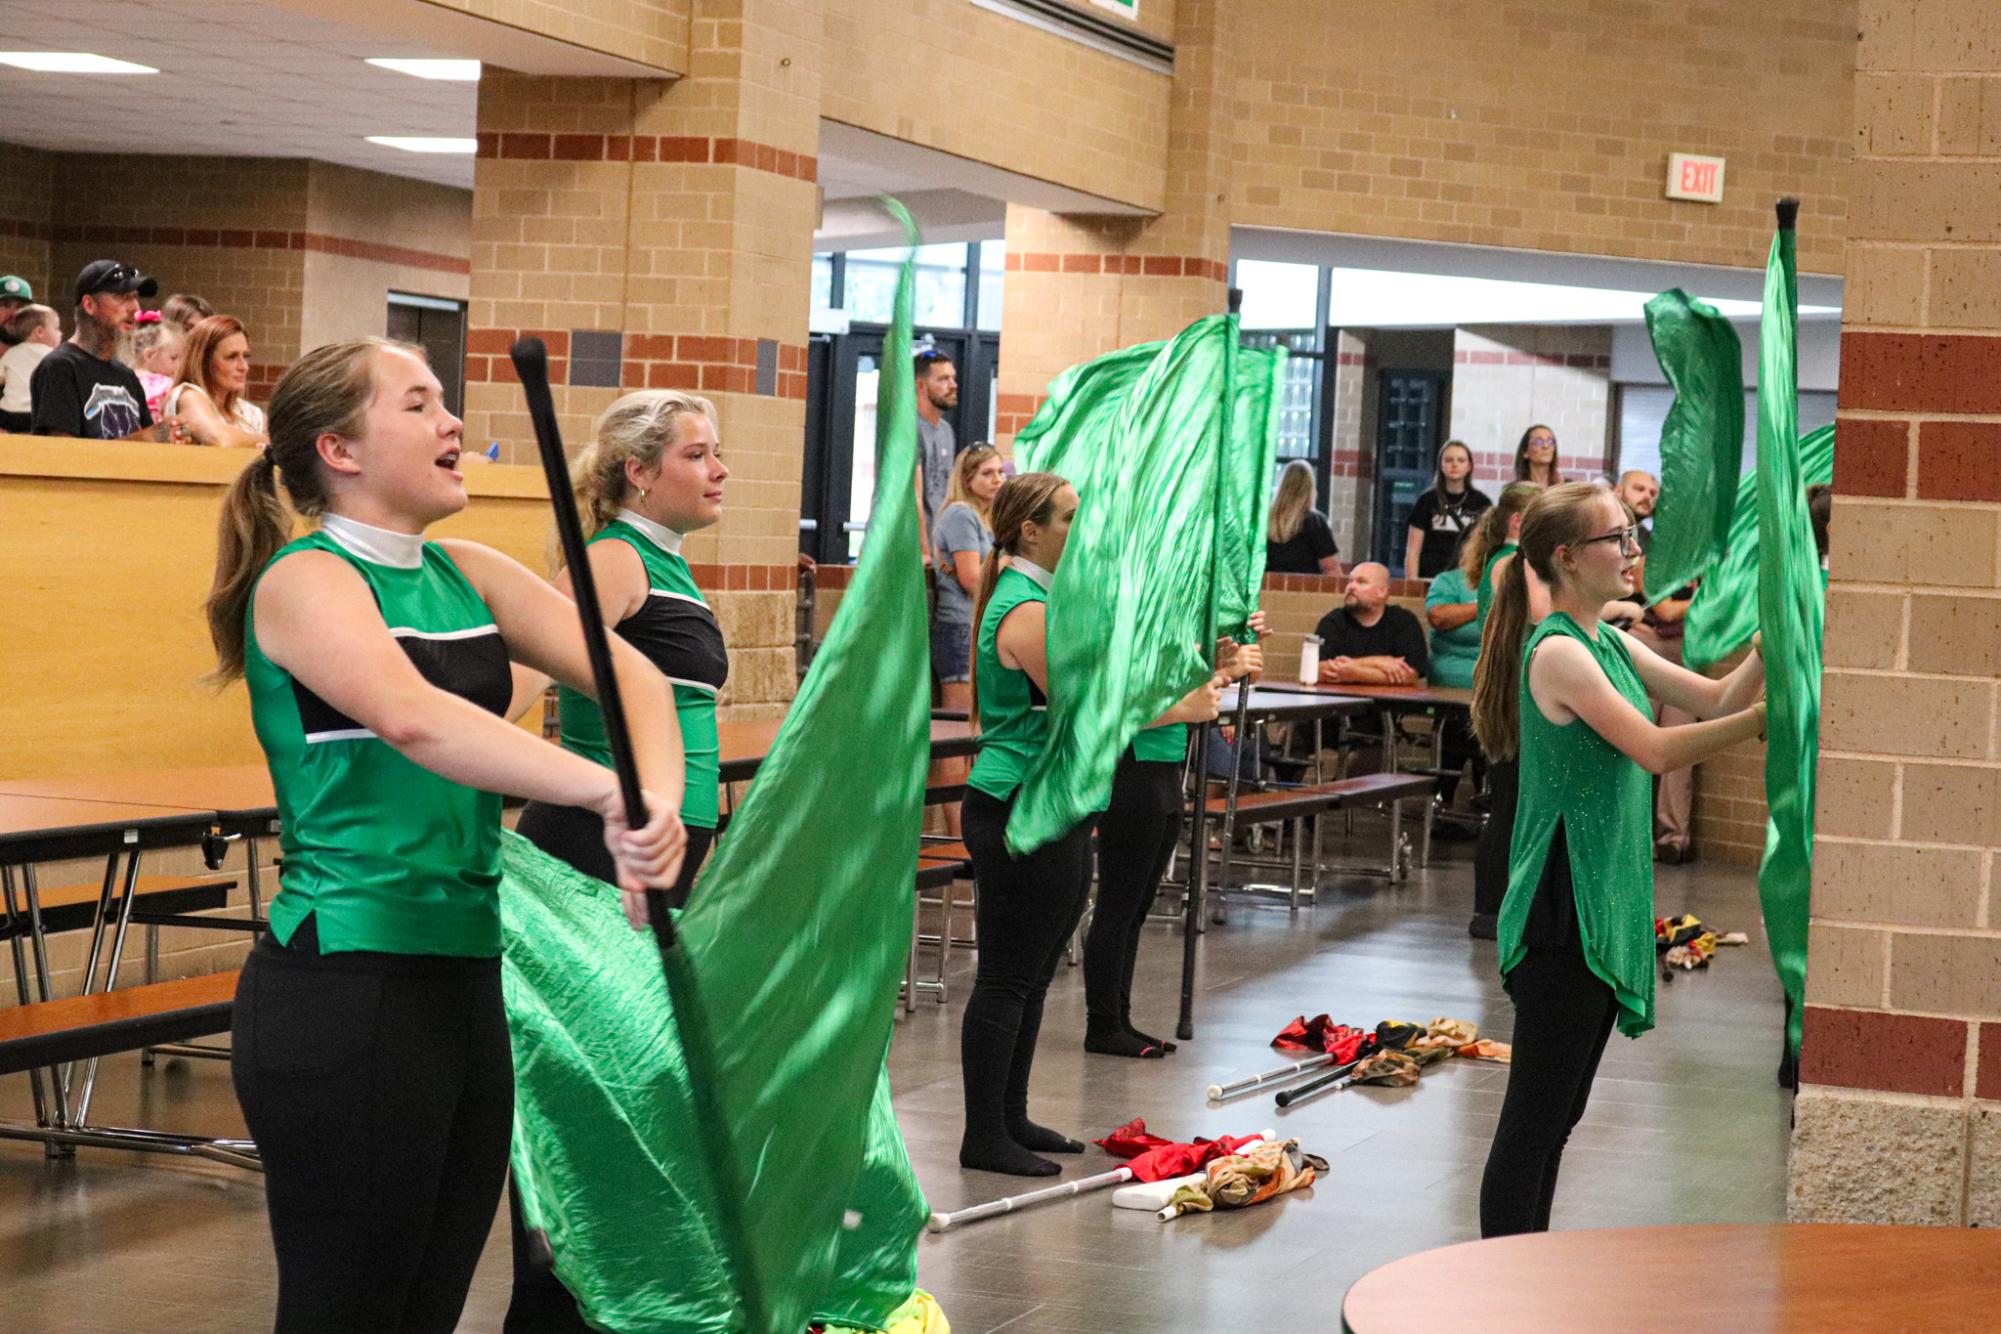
x: 208, y: 390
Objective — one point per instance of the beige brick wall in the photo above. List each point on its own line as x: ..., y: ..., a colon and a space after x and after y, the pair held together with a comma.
x: 652, y: 32
x: 1547, y: 126
x: 1901, y: 1067
x: 27, y: 192
x: 1506, y: 377
x: 949, y: 76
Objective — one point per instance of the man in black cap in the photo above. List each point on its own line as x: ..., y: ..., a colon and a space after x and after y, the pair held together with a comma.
x: 82, y: 388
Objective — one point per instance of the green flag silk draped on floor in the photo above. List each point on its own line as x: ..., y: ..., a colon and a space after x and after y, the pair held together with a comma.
x: 1790, y: 612
x: 1170, y: 446
x: 1725, y: 611
x: 1702, y: 440
x: 797, y: 932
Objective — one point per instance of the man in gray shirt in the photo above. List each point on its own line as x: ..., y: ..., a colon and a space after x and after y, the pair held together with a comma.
x: 937, y: 394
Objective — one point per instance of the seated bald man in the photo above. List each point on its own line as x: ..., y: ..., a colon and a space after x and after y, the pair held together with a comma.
x: 1366, y: 641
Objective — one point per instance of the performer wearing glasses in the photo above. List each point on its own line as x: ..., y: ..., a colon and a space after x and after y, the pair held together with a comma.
x: 1576, y: 928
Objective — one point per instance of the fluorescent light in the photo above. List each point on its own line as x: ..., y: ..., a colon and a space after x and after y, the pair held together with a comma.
x: 420, y: 144
x: 458, y: 71
x: 71, y: 62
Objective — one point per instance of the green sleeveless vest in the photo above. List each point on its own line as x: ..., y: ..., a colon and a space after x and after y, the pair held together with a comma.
x: 387, y: 854
x: 679, y: 634
x: 1014, y: 715
x: 1605, y: 803
x: 1484, y: 594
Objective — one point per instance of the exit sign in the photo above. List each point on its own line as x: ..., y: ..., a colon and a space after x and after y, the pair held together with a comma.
x: 1690, y: 176
x: 1123, y: 8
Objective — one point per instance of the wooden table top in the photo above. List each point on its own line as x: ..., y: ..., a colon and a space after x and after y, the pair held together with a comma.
x: 1454, y: 697
x: 26, y: 819
x: 1771, y: 1278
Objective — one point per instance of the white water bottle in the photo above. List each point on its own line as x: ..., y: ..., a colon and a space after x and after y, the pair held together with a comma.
x: 1309, y: 660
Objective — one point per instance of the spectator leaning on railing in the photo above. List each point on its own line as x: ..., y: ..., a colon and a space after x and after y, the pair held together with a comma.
x: 208, y: 388
x: 82, y: 388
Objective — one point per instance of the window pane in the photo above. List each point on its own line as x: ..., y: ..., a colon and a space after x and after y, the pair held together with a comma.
x: 941, y: 285
x: 1279, y: 296
x: 823, y: 281
x: 993, y: 259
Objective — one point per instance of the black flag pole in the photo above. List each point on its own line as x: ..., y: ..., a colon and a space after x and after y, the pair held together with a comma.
x: 531, y: 364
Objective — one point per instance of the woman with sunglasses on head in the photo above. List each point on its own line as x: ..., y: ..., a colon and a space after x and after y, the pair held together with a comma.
x: 1569, y: 699
x: 1028, y: 904
x: 370, y: 1048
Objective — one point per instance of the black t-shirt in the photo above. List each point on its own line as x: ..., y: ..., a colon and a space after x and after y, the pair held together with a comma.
x: 1302, y: 552
x: 76, y: 394
x: 1396, y: 634
x: 1444, y: 526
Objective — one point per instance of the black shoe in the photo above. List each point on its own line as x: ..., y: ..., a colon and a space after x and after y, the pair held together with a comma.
x: 1484, y: 926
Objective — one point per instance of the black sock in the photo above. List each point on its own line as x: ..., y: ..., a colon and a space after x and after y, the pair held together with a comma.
x: 1144, y: 1036
x: 1005, y: 1156
x: 1042, y: 1139
x: 1122, y: 1042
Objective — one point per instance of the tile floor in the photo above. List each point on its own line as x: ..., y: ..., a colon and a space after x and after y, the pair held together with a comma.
x: 1685, y: 1125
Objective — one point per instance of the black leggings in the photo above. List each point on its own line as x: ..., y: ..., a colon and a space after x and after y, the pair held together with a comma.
x: 380, y: 1092
x: 1497, y: 836
x: 574, y: 835
x: 540, y: 1304
x: 1563, y: 1017
x: 1028, y: 907
x: 1136, y: 837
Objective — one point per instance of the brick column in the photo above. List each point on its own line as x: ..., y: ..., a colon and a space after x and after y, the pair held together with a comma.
x: 1078, y: 287
x: 1898, y: 1118
x: 660, y: 235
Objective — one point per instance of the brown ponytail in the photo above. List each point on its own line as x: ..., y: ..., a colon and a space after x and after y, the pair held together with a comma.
x: 326, y: 392
x: 1028, y: 497
x: 1491, y: 533
x: 1557, y: 517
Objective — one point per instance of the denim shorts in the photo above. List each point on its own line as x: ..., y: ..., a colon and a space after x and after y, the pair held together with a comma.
x: 951, y: 651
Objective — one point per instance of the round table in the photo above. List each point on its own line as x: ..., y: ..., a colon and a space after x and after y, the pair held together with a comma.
x: 1799, y: 1278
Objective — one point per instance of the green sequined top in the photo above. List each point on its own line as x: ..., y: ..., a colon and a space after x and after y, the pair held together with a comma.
x: 1604, y: 800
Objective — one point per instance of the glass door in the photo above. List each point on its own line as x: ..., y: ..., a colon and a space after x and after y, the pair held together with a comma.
x: 1409, y: 425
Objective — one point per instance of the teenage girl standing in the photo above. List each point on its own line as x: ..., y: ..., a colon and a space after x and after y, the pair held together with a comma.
x: 1136, y: 838
x: 1028, y: 905
x: 652, y: 474
x: 1576, y: 929
x: 370, y: 1045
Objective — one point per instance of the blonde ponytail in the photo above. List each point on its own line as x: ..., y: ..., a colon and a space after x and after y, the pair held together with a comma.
x: 638, y: 428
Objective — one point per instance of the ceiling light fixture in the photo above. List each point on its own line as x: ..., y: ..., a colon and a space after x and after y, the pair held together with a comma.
x: 420, y: 144
x: 71, y: 62
x: 456, y: 71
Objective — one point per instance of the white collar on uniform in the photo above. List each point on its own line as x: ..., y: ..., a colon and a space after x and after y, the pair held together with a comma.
x: 1031, y: 569
x: 377, y: 546
x: 661, y: 535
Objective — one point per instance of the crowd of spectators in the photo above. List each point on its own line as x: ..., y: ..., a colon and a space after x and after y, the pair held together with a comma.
x: 176, y: 374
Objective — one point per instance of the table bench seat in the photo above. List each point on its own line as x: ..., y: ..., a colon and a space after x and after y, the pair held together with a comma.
x: 74, y: 907
x: 78, y: 1027
x: 1293, y: 803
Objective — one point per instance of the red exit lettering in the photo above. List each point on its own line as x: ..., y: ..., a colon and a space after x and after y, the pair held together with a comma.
x: 1698, y: 177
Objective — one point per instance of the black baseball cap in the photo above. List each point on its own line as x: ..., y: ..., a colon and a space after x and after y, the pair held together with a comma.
x: 109, y: 275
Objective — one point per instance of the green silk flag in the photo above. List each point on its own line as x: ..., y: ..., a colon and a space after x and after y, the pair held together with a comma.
x: 1702, y: 439
x: 1790, y: 612
x: 797, y: 933
x: 1724, y: 614
x: 1166, y: 476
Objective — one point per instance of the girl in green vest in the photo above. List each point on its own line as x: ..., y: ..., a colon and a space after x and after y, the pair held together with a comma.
x: 1028, y: 905
x: 1483, y: 559
x: 370, y: 1045
x: 652, y: 474
x: 1576, y: 928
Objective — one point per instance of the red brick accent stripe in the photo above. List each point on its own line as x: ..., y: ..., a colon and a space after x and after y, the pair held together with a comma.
x: 1150, y: 266
x: 699, y: 363
x: 1931, y: 373
x: 244, y: 239
x: 1896, y: 1053
x: 648, y: 148
x: 745, y: 578
x: 24, y: 229
x: 1575, y: 360
x: 1874, y: 457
